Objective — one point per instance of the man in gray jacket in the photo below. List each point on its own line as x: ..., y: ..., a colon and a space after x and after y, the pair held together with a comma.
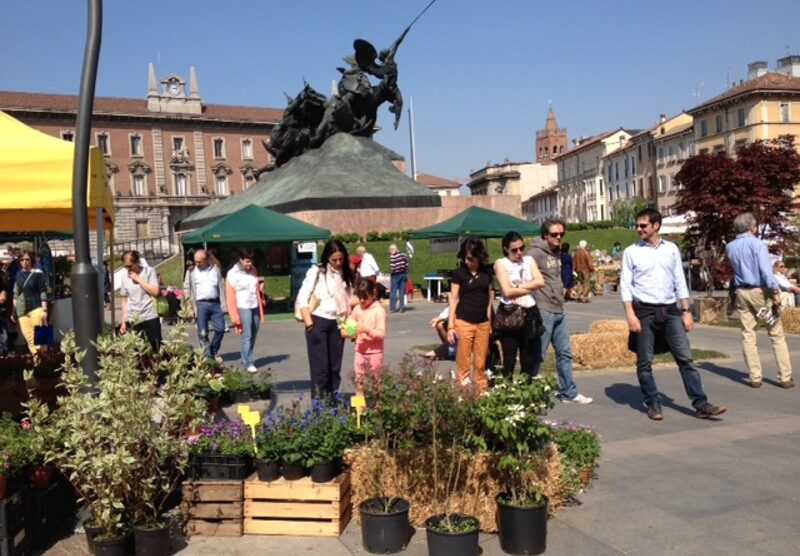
x: 205, y: 291
x: 550, y: 301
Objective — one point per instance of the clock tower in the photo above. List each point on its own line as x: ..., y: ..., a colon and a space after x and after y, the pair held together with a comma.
x: 550, y: 141
x: 172, y: 98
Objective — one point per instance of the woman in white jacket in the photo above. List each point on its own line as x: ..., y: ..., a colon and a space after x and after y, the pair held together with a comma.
x: 323, y: 298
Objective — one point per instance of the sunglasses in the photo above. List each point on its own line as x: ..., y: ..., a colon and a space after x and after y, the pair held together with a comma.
x: 516, y: 250
x: 642, y: 226
x: 557, y: 235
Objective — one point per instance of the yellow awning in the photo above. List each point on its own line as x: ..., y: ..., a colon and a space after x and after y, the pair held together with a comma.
x: 36, y: 181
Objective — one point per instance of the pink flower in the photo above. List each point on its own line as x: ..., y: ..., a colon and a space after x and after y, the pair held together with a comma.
x: 26, y: 424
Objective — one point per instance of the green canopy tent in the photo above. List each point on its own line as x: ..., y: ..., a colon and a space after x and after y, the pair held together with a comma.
x: 477, y: 221
x: 254, y: 224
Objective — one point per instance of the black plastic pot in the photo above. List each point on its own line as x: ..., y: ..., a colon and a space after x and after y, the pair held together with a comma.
x: 218, y: 466
x: 443, y: 543
x: 268, y: 470
x: 384, y: 532
x: 293, y: 471
x: 243, y: 396
x: 91, y: 533
x: 152, y: 541
x: 118, y: 546
x: 522, y: 530
x: 324, y: 472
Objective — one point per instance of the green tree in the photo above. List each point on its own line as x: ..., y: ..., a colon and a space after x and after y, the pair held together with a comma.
x: 625, y: 211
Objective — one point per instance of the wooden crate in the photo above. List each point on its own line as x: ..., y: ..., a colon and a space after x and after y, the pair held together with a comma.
x: 212, y: 508
x: 297, y: 507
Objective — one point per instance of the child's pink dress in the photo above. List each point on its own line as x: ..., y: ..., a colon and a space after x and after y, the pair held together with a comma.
x: 369, y: 345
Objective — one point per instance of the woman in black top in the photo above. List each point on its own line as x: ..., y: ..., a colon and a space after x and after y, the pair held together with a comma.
x: 30, y: 299
x: 471, y: 296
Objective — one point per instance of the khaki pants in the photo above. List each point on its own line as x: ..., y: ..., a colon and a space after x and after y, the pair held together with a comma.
x: 584, y: 283
x: 748, y: 302
x: 473, y: 348
x: 26, y: 324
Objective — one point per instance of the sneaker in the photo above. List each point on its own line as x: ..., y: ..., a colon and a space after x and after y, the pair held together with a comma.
x: 755, y: 383
x: 709, y: 410
x: 654, y: 413
x: 579, y: 399
x: 219, y: 359
x: 786, y: 384
x: 252, y: 369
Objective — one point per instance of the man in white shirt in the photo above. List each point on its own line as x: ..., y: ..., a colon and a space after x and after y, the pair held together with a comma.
x: 651, y: 283
x: 369, y: 268
x: 205, y: 292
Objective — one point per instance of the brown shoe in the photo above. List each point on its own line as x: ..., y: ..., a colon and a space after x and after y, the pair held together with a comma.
x: 709, y: 410
x: 755, y: 384
x: 654, y: 412
x: 786, y: 384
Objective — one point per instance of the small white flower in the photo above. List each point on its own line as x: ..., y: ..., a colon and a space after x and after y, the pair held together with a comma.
x: 466, y: 382
x: 489, y: 373
x: 452, y: 374
x: 460, y: 399
x: 547, y: 388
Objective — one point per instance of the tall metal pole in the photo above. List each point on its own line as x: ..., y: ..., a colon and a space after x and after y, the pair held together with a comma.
x: 85, y: 300
x: 411, y: 134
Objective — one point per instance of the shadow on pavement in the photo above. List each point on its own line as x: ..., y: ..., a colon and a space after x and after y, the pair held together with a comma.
x: 631, y: 395
x: 733, y: 375
x: 263, y: 361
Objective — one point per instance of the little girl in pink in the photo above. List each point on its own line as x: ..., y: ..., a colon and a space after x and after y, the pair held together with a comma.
x: 370, y: 317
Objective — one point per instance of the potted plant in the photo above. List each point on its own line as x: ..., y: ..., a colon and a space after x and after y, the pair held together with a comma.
x: 268, y: 456
x: 509, y: 415
x: 239, y: 385
x: 579, y: 446
x: 328, y: 433
x: 213, y: 389
x: 288, y: 432
x: 221, y: 450
x: 15, y: 453
x: 260, y: 387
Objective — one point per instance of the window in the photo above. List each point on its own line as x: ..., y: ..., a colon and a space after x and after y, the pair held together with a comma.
x: 136, y: 145
x: 692, y: 148
x: 681, y: 151
x: 633, y: 165
x: 640, y: 153
x: 703, y: 128
x: 784, y: 112
x: 68, y: 136
x: 626, y: 167
x: 662, y: 184
x: 740, y: 119
x: 142, y: 229
x: 616, y: 170
x: 177, y: 143
x: 247, y: 149
x: 661, y: 155
x: 181, y: 183
x: 249, y: 180
x: 610, y: 169
x: 671, y: 153
x: 222, y: 186
x: 718, y: 123
x: 739, y: 144
x: 138, y: 185
x: 102, y: 143
x: 219, y: 148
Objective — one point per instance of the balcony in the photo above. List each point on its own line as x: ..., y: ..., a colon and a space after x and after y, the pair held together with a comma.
x: 165, y: 200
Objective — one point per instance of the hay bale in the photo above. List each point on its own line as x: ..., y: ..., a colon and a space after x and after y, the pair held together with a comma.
x: 602, y: 349
x: 791, y: 320
x: 409, y: 476
x: 616, y: 325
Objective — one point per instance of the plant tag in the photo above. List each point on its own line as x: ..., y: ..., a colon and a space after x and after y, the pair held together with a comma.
x: 359, y: 403
x: 242, y: 409
x: 251, y: 418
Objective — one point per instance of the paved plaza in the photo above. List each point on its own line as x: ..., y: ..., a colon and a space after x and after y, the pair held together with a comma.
x: 682, y: 486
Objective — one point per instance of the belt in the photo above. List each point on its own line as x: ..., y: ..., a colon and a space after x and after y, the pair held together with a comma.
x: 214, y: 300
x: 748, y: 287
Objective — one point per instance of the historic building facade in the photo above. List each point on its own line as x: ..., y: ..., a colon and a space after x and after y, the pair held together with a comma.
x: 167, y: 156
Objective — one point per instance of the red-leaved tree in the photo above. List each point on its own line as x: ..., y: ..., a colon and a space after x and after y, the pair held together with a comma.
x: 760, y: 179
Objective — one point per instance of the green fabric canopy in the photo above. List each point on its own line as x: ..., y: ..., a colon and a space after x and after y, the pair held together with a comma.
x: 256, y: 224
x: 480, y: 222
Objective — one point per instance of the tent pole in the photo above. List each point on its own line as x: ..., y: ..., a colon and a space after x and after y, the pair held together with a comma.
x: 101, y: 271
x: 111, y: 277
x: 84, y: 275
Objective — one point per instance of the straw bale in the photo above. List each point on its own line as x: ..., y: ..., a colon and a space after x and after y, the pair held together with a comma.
x: 409, y: 475
x: 602, y: 349
x: 616, y: 325
x: 791, y: 320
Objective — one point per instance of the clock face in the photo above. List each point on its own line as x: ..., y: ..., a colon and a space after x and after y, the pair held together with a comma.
x: 174, y: 87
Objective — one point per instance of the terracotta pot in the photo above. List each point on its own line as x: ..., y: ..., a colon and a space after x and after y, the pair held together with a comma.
x: 3, y: 485
x: 586, y: 474
x: 41, y: 476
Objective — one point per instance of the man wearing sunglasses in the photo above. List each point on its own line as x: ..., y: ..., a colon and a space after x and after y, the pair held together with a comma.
x: 550, y: 300
x: 652, y: 284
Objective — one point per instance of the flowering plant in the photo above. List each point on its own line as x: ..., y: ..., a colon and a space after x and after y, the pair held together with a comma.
x: 16, y: 447
x: 329, y: 430
x: 578, y: 444
x: 509, y: 423
x: 228, y: 438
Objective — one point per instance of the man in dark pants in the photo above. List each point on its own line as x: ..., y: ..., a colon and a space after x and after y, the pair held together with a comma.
x: 651, y: 283
x: 205, y: 292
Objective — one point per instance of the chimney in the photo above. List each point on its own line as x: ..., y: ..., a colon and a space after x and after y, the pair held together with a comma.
x: 662, y: 118
x: 756, y: 70
x: 790, y: 65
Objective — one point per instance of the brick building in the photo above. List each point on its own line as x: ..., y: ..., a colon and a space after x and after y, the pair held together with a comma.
x: 167, y: 156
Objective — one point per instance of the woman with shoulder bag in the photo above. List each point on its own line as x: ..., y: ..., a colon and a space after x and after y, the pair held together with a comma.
x: 323, y: 299
x: 30, y: 300
x: 517, y: 315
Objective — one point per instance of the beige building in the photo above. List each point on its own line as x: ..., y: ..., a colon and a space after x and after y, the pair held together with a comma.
x: 541, y: 206
x: 765, y: 106
x: 581, y: 177
x: 673, y: 142
x: 441, y: 186
x: 620, y: 172
x: 167, y: 156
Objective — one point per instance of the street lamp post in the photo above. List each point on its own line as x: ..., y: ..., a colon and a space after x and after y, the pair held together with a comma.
x: 85, y: 296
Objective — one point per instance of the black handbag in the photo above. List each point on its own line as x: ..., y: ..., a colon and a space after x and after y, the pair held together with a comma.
x: 509, y: 317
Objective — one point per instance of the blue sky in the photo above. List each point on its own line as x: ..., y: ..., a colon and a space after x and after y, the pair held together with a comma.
x: 481, y: 73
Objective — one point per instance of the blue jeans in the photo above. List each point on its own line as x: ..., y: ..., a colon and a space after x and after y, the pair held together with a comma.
x: 557, y: 333
x: 398, y: 286
x: 678, y: 343
x: 250, y: 321
x: 210, y: 311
